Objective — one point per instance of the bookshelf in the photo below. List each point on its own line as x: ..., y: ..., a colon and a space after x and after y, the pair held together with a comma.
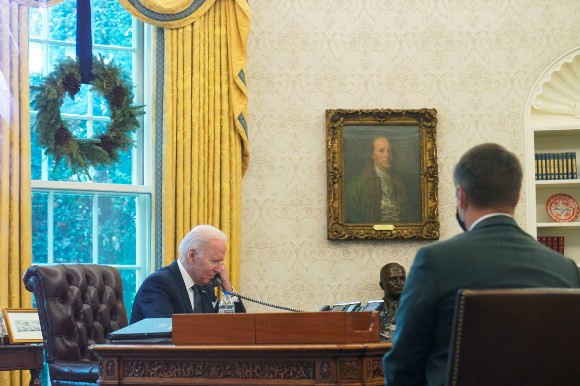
x: 552, y: 128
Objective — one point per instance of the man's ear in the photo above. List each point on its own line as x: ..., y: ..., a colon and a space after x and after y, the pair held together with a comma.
x: 461, y: 197
x: 191, y: 255
x: 381, y: 284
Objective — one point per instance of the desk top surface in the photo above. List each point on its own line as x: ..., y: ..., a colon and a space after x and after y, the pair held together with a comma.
x: 248, y: 347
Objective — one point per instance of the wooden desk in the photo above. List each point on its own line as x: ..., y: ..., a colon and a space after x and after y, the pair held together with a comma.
x: 276, y: 364
x: 23, y: 357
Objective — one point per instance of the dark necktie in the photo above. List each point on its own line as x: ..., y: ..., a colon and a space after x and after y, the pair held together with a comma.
x: 197, y: 308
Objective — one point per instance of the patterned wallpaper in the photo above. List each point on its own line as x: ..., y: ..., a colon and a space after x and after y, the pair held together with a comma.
x: 474, y: 61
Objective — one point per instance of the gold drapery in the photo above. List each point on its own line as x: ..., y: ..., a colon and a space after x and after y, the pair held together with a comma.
x: 15, y: 207
x: 168, y: 14
x: 205, y: 145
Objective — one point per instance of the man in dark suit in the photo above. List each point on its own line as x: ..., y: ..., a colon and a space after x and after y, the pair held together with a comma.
x: 492, y: 253
x: 184, y: 286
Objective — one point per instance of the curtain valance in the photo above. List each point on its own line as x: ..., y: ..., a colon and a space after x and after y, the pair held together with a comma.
x: 167, y: 14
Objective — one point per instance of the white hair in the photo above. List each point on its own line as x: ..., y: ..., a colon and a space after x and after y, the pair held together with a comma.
x: 198, y: 237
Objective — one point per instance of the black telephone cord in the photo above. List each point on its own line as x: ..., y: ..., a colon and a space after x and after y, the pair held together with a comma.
x: 266, y: 304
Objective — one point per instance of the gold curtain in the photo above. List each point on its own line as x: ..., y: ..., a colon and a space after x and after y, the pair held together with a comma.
x: 15, y: 196
x: 205, y: 146
x: 15, y: 193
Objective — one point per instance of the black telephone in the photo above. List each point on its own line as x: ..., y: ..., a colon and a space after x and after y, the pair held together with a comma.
x: 346, y: 307
x: 372, y: 305
x: 216, y: 281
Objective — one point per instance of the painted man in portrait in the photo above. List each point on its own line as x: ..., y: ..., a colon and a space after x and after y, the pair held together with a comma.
x: 379, y: 194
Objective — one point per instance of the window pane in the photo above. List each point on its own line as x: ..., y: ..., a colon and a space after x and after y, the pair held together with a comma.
x: 117, y: 174
x: 129, y: 278
x: 34, y: 24
x: 39, y: 227
x: 117, y: 230
x: 119, y: 33
x: 63, y: 173
x: 78, y: 128
x: 63, y: 21
x: 35, y: 160
x: 73, y: 228
x: 121, y: 59
x: 100, y: 105
x: 79, y: 105
x: 57, y: 53
x: 120, y: 173
x: 35, y: 52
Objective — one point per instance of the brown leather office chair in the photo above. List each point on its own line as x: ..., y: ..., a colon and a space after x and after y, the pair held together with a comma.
x: 528, y: 337
x: 78, y: 305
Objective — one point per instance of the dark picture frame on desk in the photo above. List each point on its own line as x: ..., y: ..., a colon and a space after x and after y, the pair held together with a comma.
x: 374, y: 196
x: 23, y: 325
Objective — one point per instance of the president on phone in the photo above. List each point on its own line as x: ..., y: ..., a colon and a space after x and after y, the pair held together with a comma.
x: 187, y: 285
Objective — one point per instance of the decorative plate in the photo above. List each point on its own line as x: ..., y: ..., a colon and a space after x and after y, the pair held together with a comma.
x: 562, y: 207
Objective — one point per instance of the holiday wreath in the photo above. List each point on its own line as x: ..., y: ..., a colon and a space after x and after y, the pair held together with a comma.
x: 54, y: 134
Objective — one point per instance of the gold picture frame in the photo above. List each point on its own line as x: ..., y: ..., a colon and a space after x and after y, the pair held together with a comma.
x: 23, y: 325
x: 404, y: 196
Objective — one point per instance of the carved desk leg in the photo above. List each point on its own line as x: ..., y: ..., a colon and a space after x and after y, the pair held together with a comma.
x: 109, y: 371
x: 35, y: 378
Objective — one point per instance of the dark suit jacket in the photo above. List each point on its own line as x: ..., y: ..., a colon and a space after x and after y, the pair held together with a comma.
x: 496, y: 253
x: 163, y: 294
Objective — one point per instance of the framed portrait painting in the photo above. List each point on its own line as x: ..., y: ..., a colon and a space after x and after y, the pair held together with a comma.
x: 23, y: 325
x: 382, y: 174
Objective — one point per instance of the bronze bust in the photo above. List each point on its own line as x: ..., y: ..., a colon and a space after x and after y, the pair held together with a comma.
x: 392, y: 279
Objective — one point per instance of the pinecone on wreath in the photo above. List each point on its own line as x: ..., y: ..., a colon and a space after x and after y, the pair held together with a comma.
x: 117, y: 95
x: 62, y: 136
x: 71, y: 84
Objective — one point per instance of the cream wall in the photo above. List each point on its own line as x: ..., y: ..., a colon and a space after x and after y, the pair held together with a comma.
x: 474, y: 61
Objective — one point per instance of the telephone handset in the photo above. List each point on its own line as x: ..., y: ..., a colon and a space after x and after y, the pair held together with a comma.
x: 216, y: 281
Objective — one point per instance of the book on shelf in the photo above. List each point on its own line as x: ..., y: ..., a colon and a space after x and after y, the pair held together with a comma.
x: 555, y: 243
x: 573, y: 166
x: 555, y: 166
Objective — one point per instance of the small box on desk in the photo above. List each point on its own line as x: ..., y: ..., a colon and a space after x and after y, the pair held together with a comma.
x: 317, y: 327
x: 276, y: 328
x: 214, y: 329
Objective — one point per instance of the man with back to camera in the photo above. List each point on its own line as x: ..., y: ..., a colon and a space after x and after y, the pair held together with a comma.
x: 493, y: 252
x: 392, y: 280
x: 378, y: 194
x: 172, y: 289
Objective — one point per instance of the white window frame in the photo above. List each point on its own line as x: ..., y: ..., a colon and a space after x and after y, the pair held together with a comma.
x: 142, y: 160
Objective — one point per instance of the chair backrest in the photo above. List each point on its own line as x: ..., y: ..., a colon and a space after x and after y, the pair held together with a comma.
x: 78, y: 305
x: 515, y: 337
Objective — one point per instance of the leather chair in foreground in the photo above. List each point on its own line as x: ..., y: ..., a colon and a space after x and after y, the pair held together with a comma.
x: 516, y: 337
x: 78, y: 305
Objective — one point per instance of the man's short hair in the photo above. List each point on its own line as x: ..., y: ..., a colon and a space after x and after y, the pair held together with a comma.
x: 490, y: 175
x: 198, y: 237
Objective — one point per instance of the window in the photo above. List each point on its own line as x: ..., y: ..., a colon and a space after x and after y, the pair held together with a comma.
x: 106, y: 220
